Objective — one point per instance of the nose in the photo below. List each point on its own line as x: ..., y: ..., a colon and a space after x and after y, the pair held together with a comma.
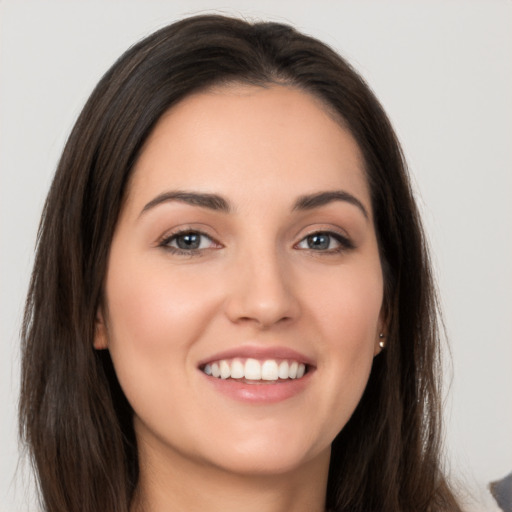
x: 262, y: 291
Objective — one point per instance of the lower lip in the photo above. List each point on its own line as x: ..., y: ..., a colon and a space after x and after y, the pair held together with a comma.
x: 264, y: 392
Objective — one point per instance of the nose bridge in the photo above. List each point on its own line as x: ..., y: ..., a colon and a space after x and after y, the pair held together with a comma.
x: 262, y: 286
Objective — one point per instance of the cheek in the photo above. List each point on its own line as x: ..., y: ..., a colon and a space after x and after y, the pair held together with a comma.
x: 154, y: 317
x: 348, y: 308
x: 348, y: 318
x: 350, y: 333
x: 148, y: 306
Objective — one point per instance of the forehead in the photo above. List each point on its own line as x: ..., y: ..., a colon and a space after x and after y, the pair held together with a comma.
x: 250, y: 141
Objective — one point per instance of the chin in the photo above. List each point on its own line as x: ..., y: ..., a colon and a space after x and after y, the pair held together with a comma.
x: 267, y: 455
x: 265, y: 464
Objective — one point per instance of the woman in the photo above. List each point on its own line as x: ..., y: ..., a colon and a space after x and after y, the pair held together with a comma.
x: 232, y: 306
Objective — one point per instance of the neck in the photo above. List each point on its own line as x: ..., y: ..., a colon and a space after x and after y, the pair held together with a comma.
x: 193, y: 486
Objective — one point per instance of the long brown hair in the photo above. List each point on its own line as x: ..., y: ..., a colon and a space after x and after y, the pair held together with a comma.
x: 74, y: 417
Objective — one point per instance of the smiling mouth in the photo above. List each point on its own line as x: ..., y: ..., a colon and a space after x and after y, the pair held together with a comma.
x: 254, y: 371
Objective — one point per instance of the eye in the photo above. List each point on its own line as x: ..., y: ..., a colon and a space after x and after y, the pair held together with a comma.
x: 188, y: 242
x: 325, y: 241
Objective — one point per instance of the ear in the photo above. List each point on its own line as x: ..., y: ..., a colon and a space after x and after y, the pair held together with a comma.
x: 381, y: 334
x: 100, y: 332
x: 380, y: 342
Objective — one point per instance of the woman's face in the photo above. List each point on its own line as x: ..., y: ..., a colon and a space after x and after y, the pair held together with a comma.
x: 246, y: 246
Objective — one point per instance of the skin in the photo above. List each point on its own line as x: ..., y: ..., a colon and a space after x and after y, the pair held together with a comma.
x: 254, y: 281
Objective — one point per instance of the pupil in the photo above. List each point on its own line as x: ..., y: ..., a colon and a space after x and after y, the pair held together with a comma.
x: 188, y: 241
x: 318, y: 241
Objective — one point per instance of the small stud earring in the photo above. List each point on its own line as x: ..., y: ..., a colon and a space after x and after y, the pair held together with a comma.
x: 382, y: 343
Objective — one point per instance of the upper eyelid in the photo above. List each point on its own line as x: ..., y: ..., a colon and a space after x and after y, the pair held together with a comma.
x: 169, y: 234
x: 319, y: 228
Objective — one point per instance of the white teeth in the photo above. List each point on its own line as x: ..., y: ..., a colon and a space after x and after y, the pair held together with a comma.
x: 252, y: 369
x: 283, y: 370
x: 237, y: 369
x: 225, y: 370
x: 269, y: 370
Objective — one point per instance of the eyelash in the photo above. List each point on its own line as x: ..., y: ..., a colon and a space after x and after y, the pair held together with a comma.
x: 165, y: 243
x: 345, y: 244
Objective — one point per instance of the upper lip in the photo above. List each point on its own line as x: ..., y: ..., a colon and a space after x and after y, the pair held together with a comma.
x: 259, y: 352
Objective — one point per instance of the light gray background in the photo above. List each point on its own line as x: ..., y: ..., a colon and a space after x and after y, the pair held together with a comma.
x: 443, y: 71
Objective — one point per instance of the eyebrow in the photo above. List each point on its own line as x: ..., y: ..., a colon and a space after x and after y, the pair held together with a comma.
x: 218, y: 203
x: 318, y: 199
x: 210, y: 201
